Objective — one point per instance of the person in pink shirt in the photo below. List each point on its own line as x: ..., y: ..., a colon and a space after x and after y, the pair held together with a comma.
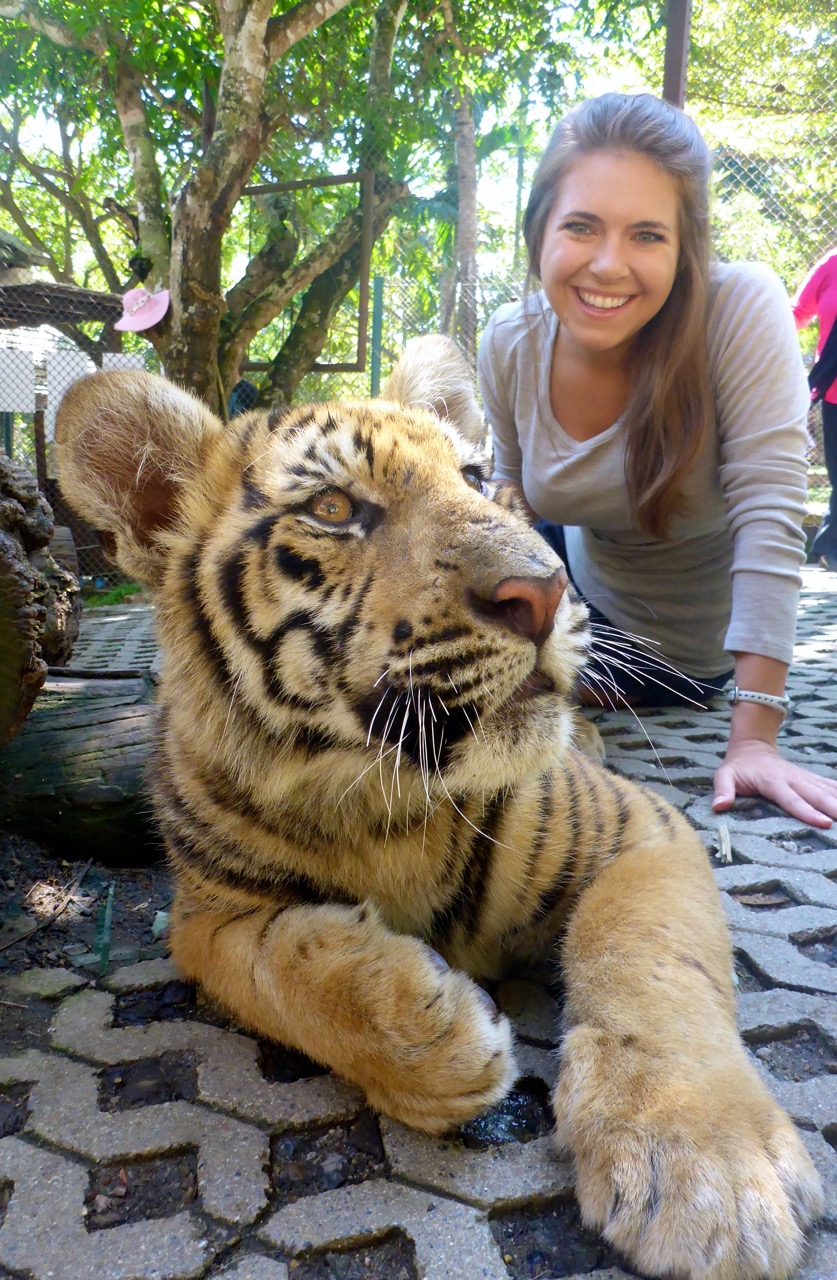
x: 817, y: 300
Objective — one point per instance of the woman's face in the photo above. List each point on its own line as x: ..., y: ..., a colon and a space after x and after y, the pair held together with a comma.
x: 610, y: 249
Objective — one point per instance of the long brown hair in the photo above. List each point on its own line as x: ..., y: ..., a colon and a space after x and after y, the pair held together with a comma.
x: 670, y: 409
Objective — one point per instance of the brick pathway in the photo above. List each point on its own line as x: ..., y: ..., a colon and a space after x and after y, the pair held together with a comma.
x: 149, y: 1140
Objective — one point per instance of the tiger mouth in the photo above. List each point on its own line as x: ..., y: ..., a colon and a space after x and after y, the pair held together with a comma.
x: 535, y: 684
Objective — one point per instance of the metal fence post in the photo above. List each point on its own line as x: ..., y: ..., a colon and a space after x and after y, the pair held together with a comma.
x: 377, y: 333
x: 678, y: 25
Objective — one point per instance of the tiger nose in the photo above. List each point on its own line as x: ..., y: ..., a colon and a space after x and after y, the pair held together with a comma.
x: 525, y: 606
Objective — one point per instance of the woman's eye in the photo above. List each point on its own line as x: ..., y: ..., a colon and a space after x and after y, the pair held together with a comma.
x: 333, y: 505
x: 577, y: 228
x: 473, y: 479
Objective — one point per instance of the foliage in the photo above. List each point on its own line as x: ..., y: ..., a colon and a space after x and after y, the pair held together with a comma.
x: 117, y: 595
x: 119, y: 118
x: 110, y: 125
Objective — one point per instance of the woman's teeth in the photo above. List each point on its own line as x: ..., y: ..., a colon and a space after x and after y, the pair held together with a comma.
x: 603, y: 303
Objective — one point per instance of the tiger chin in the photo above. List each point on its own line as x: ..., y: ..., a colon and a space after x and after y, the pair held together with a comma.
x: 370, y: 795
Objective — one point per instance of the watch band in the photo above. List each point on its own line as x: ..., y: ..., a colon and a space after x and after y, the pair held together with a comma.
x: 765, y: 699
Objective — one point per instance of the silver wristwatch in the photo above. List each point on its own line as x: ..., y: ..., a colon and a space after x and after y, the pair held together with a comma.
x: 782, y: 704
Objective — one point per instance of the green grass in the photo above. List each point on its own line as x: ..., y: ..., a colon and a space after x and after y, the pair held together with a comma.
x: 116, y: 596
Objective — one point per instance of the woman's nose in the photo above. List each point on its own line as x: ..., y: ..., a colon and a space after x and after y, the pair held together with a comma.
x: 608, y: 261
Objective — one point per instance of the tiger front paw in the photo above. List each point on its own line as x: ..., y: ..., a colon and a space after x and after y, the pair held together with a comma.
x: 455, y: 1059
x: 688, y: 1171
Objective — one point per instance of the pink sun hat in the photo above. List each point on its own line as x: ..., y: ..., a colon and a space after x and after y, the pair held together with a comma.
x: 141, y: 309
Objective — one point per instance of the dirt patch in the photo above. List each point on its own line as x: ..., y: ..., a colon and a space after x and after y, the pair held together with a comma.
x: 173, y: 1077
x: 800, y: 1056
x: 315, y: 1160
x: 14, y: 1108
x: 136, y: 1190
x: 393, y: 1258
x: 550, y: 1241
x: 96, y: 930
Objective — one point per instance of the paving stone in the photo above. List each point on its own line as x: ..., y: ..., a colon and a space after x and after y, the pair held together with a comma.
x: 49, y: 984
x: 44, y: 1233
x: 810, y: 852
x: 805, y: 887
x: 789, y: 922
x: 442, y: 1230
x: 228, y: 1071
x: 146, y: 973
x: 741, y: 817
x: 532, y: 1010
x: 821, y: 1260
x: 760, y: 1012
x: 64, y: 1112
x: 501, y: 1174
x: 255, y: 1267
x: 825, y: 1160
x: 782, y: 964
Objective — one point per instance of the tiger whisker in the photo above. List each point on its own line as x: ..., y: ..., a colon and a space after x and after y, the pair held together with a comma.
x: 375, y: 713
x: 233, y: 695
x: 378, y: 760
x: 464, y: 816
x: 480, y: 723
x: 585, y: 679
x: 470, y: 723
x: 391, y: 716
x: 617, y: 644
x: 643, y: 675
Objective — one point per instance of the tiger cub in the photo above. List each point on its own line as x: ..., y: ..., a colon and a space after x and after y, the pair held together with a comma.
x: 370, y: 796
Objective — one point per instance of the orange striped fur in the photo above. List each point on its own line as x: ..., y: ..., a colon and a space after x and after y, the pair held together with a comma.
x: 369, y: 793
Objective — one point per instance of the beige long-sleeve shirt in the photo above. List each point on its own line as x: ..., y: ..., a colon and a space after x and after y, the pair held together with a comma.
x: 727, y: 576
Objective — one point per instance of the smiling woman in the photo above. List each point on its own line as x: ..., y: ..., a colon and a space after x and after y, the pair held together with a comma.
x: 651, y: 406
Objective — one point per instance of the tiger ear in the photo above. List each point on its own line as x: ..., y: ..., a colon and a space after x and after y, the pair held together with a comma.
x: 433, y: 373
x: 126, y: 443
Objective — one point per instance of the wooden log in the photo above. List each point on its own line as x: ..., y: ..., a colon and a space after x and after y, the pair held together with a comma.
x: 74, y: 776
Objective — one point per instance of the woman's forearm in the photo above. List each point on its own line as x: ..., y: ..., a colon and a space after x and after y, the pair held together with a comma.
x: 751, y: 720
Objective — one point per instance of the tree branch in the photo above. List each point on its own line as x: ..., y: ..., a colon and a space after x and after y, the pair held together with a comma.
x: 287, y: 29
x: 71, y: 204
x: 98, y: 41
x: 7, y: 202
x: 267, y: 305
x: 258, y: 311
x: 154, y: 239
x: 272, y: 260
x: 309, y: 333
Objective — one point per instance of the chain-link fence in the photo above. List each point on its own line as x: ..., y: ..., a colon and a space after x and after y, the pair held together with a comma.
x: 51, y: 335
x: 762, y: 84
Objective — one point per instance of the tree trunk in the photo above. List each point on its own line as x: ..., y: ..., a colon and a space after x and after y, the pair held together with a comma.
x: 39, y: 602
x: 522, y: 119
x: 466, y: 233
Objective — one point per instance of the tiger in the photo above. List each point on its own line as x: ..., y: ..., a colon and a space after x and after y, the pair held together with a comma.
x: 372, y: 800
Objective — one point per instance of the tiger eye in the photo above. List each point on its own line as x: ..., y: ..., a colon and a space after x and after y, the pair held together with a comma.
x: 473, y: 480
x: 333, y: 505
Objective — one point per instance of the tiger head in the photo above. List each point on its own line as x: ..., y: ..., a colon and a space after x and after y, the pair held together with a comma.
x: 336, y: 577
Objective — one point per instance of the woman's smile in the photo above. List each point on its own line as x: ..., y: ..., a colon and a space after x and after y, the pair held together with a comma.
x: 603, y: 301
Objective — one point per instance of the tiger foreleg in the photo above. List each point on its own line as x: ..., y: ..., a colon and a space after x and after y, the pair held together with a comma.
x: 683, y: 1160
x: 423, y: 1041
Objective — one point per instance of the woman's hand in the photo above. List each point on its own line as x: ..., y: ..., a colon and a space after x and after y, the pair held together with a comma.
x: 753, y: 767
